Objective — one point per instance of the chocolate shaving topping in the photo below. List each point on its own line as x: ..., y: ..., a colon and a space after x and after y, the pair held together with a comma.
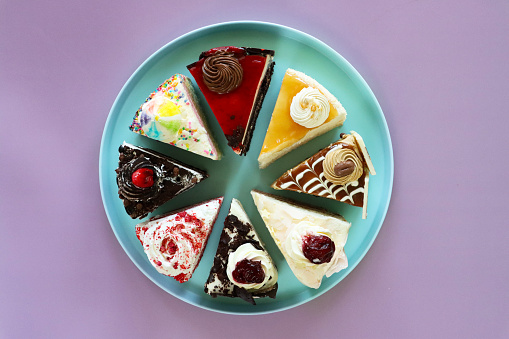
x: 222, y: 72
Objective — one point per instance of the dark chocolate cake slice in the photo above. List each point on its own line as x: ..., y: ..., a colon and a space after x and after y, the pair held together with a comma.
x: 242, y: 267
x: 234, y: 81
x: 147, y: 179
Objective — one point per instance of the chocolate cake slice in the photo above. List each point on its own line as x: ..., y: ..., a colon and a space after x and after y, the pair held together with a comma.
x: 340, y: 171
x: 234, y: 81
x: 147, y: 179
x: 242, y: 267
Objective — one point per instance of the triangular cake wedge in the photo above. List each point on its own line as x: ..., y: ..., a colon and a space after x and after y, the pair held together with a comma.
x: 171, y: 114
x: 340, y: 171
x: 234, y: 81
x: 312, y: 240
x: 242, y: 266
x: 174, y: 242
x: 304, y: 110
x: 147, y: 179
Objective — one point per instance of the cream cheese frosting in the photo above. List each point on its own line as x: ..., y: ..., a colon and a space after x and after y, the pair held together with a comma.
x: 309, y: 108
x: 174, y: 243
x: 288, y: 224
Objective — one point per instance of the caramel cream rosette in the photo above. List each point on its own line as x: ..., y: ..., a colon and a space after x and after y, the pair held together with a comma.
x: 342, y: 165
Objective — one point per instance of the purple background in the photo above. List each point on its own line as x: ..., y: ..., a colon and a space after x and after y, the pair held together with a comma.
x: 439, y: 267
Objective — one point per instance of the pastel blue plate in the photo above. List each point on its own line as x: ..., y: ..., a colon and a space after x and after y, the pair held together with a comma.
x: 235, y: 176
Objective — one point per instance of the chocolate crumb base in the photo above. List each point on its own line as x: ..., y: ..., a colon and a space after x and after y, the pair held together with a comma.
x: 177, y: 178
x: 264, y: 87
x: 235, y: 139
x: 258, y: 51
x: 228, y: 244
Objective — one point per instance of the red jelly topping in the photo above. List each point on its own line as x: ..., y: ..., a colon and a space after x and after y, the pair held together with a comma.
x: 318, y: 249
x: 143, y: 177
x: 248, y: 272
x: 232, y: 109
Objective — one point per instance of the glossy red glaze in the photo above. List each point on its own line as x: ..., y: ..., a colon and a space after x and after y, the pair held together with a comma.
x: 232, y: 109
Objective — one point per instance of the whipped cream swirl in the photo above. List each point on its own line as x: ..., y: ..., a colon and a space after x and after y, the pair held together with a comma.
x: 309, y: 108
x: 170, y: 251
x: 249, y: 252
x: 295, y: 241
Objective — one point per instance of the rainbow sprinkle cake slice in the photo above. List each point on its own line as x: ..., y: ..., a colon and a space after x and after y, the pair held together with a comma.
x: 171, y: 114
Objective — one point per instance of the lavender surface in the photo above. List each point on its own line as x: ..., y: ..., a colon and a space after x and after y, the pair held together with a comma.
x: 438, y: 268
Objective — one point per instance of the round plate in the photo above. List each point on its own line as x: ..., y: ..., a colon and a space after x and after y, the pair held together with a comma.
x: 235, y: 176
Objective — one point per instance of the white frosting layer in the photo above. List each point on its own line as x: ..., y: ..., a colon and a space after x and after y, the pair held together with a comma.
x: 248, y: 251
x: 171, y: 116
x: 172, y: 245
x: 309, y: 108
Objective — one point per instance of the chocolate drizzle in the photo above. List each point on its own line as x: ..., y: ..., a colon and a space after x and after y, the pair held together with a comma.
x: 132, y: 192
x: 308, y: 177
x: 222, y: 72
x: 171, y: 177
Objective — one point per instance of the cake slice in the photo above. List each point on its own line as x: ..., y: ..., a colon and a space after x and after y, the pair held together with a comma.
x: 174, y: 243
x: 312, y: 240
x: 304, y: 110
x: 147, y: 179
x: 171, y: 114
x: 242, y: 267
x: 339, y: 171
x: 234, y: 81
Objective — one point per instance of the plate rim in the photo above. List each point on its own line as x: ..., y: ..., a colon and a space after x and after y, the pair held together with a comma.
x: 255, y: 25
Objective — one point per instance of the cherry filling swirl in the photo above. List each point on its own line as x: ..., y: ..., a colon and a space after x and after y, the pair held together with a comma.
x: 222, y: 72
x: 249, y: 272
x: 133, y: 192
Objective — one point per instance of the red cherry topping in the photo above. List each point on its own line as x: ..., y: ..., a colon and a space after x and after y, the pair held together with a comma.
x: 248, y: 272
x: 143, y: 177
x: 318, y: 249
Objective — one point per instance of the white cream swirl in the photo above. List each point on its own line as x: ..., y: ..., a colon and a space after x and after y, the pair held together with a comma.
x: 169, y: 251
x: 309, y: 108
x: 248, y: 251
x: 294, y: 242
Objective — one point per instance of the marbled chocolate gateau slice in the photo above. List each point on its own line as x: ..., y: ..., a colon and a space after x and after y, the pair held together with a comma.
x: 339, y: 171
x: 234, y: 81
x: 147, y: 179
x: 242, y: 267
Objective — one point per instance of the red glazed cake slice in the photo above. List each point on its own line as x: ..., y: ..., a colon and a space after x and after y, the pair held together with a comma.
x: 174, y: 243
x: 340, y: 171
x: 234, y: 82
